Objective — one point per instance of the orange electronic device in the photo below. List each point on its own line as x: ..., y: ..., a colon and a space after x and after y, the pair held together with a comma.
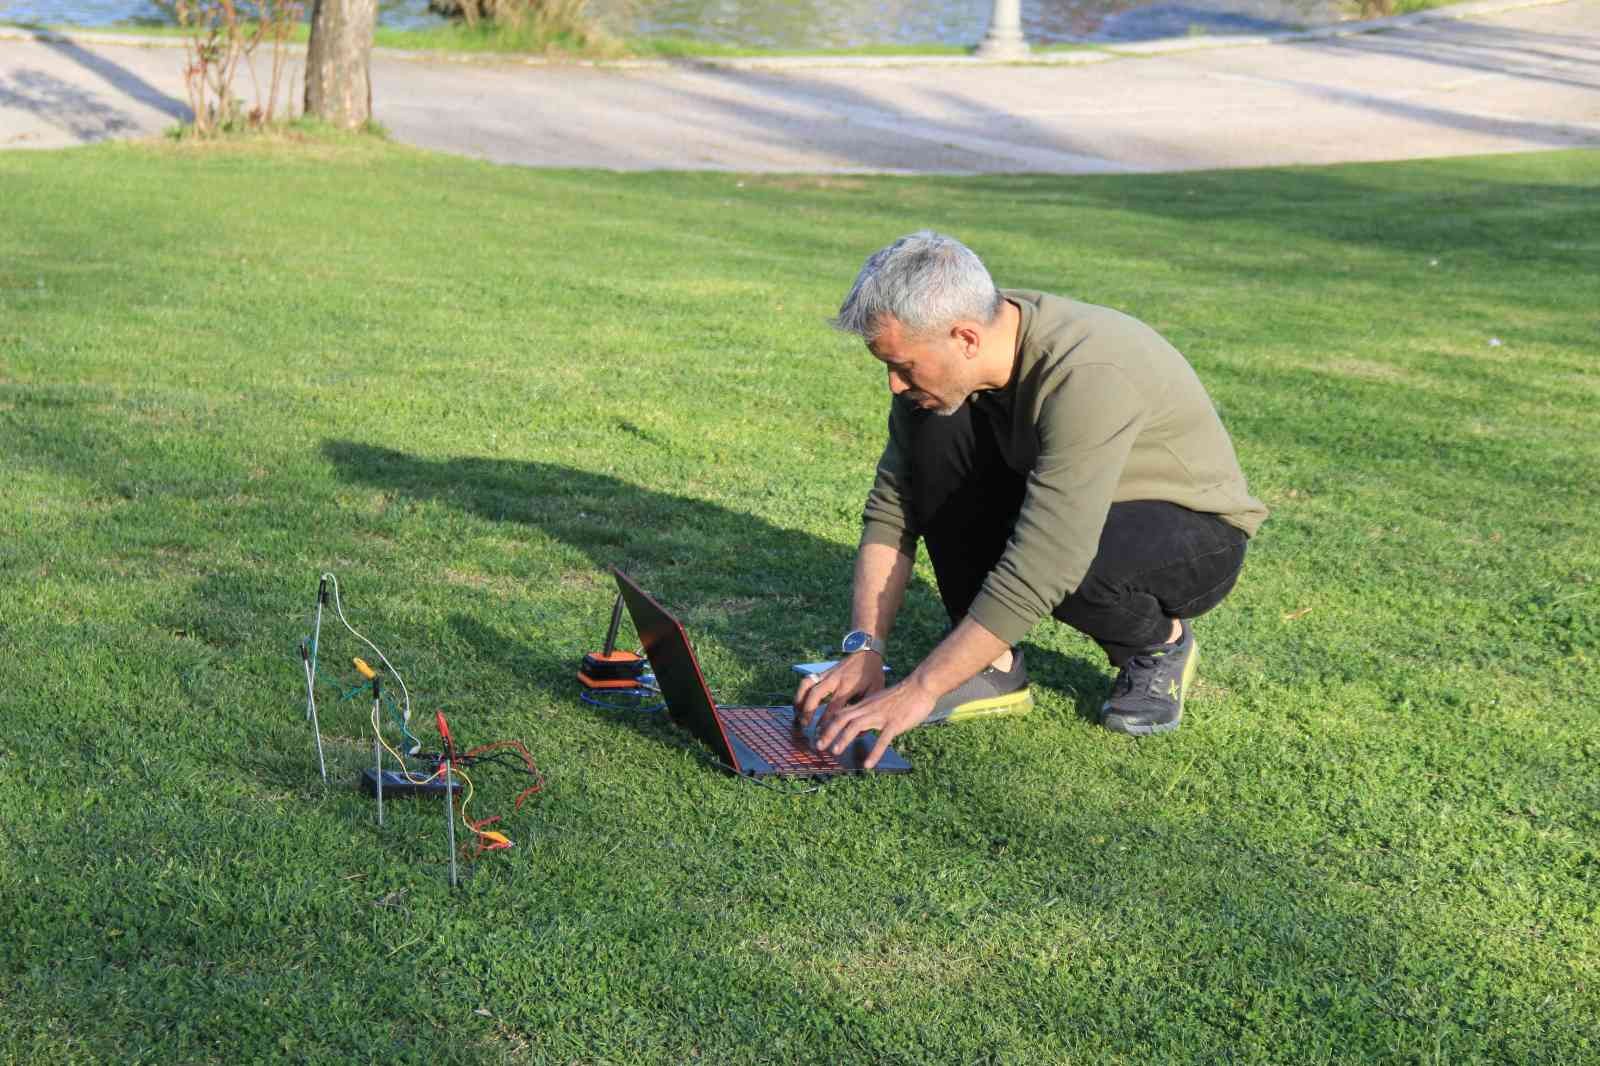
x: 610, y: 668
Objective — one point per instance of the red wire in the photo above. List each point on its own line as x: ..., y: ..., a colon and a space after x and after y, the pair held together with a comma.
x: 484, y: 749
x: 527, y: 759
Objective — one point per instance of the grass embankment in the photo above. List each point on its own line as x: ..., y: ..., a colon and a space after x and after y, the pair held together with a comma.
x: 467, y: 389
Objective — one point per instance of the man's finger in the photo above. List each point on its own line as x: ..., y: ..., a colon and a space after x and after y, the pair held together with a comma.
x: 803, y: 691
x: 885, y: 735
x: 821, y: 695
x: 834, y: 720
x: 810, y: 696
x: 852, y: 726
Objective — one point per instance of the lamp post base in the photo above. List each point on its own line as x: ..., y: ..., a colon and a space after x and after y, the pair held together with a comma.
x: 1005, y: 39
x: 1003, y: 47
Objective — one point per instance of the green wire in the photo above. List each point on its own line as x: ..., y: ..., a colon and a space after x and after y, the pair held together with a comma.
x: 388, y: 700
x: 400, y: 720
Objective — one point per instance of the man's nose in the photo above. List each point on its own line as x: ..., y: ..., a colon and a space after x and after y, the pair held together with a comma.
x: 897, y: 384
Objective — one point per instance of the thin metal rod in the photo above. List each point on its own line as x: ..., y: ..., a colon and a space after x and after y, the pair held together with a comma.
x: 316, y: 635
x: 377, y: 765
x: 311, y: 713
x: 616, y: 622
x: 450, y: 822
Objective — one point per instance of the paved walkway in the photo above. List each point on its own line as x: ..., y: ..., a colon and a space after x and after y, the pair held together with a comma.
x: 1481, y: 81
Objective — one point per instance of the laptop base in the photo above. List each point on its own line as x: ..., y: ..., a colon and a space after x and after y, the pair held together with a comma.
x: 769, y: 745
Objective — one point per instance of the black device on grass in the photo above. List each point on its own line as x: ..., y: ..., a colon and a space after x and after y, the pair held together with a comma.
x: 397, y: 784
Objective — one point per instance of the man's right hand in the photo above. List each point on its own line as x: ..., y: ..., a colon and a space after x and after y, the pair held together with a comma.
x: 856, y: 677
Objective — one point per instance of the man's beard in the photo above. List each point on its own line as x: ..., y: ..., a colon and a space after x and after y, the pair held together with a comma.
x: 944, y: 411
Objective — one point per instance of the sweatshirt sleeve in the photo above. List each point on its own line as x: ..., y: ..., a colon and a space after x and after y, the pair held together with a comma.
x: 885, y: 519
x: 1087, y: 426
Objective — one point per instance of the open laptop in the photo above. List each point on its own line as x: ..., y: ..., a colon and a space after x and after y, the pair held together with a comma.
x: 753, y: 741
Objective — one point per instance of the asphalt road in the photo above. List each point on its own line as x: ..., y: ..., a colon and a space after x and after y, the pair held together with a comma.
x: 1479, y: 81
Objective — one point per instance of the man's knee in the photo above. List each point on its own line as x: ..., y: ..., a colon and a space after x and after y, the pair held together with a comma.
x: 1227, y: 566
x: 1095, y: 593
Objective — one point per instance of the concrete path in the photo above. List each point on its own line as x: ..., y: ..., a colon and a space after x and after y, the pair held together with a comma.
x: 1479, y: 81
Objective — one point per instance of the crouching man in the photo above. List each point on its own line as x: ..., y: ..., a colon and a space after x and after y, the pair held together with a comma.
x: 1056, y: 458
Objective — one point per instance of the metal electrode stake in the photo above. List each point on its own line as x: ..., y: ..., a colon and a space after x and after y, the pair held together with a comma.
x: 450, y: 822
x: 616, y: 622
x: 316, y: 637
x: 311, y: 711
x: 377, y: 748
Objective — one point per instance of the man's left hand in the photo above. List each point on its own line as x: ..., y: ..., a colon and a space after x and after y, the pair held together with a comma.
x: 891, y: 712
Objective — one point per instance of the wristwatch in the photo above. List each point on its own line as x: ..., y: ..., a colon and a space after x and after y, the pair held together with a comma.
x: 860, y: 640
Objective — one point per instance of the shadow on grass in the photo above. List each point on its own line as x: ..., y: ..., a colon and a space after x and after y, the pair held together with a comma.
x: 676, y: 546
x: 1420, y: 209
x: 682, y: 549
x: 653, y: 915
x: 551, y: 676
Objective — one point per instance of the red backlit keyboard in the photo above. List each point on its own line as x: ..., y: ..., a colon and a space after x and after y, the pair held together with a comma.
x: 770, y: 733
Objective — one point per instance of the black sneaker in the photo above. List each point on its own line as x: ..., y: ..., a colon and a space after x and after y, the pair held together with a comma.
x: 989, y: 694
x: 1147, y: 696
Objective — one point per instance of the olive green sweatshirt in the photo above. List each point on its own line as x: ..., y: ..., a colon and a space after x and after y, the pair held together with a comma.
x: 1099, y: 409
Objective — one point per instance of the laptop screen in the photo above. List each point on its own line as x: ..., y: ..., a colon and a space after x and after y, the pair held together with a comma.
x: 666, y: 645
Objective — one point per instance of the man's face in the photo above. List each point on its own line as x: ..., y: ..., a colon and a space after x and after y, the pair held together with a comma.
x: 929, y: 371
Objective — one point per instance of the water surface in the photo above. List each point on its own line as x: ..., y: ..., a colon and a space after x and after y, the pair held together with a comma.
x: 804, y: 24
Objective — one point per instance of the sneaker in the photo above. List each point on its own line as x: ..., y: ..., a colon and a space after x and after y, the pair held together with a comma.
x: 1147, y: 696
x: 989, y: 694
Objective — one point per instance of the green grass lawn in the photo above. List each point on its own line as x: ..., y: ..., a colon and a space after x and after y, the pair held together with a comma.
x: 467, y: 389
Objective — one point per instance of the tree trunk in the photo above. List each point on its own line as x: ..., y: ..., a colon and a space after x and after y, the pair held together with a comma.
x: 338, y: 78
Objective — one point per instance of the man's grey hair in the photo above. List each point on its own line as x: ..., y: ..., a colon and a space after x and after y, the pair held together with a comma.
x: 925, y: 281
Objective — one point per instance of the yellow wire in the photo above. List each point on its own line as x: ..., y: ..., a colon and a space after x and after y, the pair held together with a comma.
x: 465, y: 799
x: 415, y: 780
x: 377, y: 731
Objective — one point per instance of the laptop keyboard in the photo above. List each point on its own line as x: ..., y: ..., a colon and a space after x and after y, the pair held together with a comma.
x: 770, y: 732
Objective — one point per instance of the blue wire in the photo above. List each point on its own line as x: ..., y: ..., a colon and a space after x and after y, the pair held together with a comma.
x: 638, y: 695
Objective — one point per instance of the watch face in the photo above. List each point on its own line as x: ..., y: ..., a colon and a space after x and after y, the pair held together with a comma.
x: 854, y: 642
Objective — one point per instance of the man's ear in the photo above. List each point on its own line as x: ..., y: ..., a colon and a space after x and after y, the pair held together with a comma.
x: 967, y: 336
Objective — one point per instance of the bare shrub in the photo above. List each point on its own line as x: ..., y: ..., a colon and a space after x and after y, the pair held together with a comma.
x: 220, y: 36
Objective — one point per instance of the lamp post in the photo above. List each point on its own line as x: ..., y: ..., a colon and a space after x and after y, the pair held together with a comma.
x: 1004, y: 39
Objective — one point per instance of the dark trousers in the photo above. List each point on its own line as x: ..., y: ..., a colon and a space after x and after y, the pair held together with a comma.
x: 1157, y: 561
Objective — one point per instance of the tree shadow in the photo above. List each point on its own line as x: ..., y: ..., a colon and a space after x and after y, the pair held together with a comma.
x: 1417, y: 211
x: 1486, y: 47
x: 678, y: 548
x: 957, y: 122
x: 80, y: 114
x: 120, y: 78
x: 540, y: 670
x: 686, y: 551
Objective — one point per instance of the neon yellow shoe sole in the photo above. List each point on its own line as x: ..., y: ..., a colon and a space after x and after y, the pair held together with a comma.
x: 1012, y: 703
